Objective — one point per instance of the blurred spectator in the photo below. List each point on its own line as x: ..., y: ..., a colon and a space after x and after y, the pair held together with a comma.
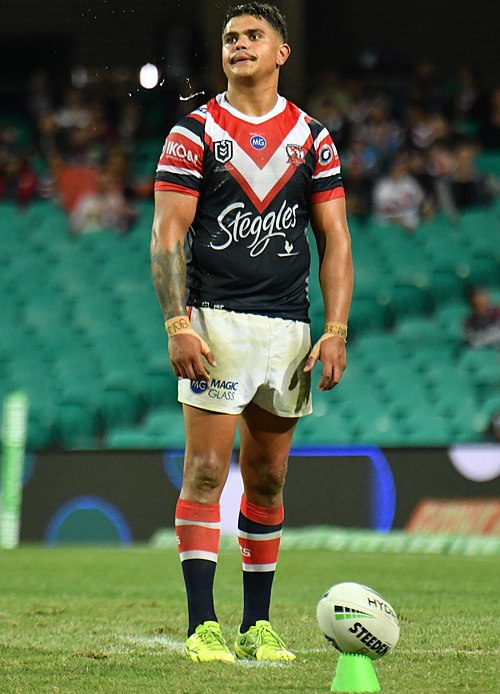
x: 39, y: 99
x: 67, y: 183
x: 426, y: 87
x: 489, y: 132
x: 398, y: 197
x: 358, y: 190
x: 482, y: 325
x: 329, y: 114
x: 464, y: 93
x: 18, y: 181
x: 104, y: 208
x: 380, y: 132
x: 469, y: 187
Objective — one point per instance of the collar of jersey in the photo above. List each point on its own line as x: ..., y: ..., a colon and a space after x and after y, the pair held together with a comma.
x: 278, y: 108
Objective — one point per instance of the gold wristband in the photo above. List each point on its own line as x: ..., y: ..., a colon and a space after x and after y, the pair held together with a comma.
x: 340, y: 329
x: 176, y: 325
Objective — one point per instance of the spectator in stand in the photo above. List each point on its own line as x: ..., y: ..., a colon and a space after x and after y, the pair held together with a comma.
x: 464, y: 97
x: 359, y: 190
x: 469, y: 187
x: 380, y: 132
x: 482, y: 325
x: 106, y: 207
x: 398, y: 197
x: 18, y: 181
x: 489, y: 130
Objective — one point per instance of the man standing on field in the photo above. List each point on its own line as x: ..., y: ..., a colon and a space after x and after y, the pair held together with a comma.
x: 237, y: 184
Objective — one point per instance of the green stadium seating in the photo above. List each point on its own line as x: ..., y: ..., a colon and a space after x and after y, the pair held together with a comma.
x: 83, y: 335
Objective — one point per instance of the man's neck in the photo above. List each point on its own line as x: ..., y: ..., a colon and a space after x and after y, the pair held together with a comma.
x: 250, y: 100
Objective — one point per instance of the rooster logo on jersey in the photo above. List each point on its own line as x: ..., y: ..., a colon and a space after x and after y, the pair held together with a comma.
x: 296, y: 155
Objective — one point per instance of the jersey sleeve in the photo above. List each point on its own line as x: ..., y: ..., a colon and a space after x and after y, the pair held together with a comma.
x: 326, y: 180
x: 180, y: 167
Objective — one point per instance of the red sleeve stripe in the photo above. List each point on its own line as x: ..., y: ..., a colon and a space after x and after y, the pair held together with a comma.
x: 178, y: 170
x: 164, y: 185
x: 326, y: 195
x: 333, y: 171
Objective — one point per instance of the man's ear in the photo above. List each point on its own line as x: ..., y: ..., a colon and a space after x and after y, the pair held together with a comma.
x: 283, y: 54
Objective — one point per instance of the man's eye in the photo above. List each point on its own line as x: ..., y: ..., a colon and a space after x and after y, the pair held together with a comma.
x: 254, y: 37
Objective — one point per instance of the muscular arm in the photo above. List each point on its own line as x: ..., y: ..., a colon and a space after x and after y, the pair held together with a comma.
x: 174, y: 214
x: 329, y: 224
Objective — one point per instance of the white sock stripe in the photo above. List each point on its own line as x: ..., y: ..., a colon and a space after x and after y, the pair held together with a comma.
x: 198, y: 554
x: 259, y: 567
x: 259, y: 536
x: 199, y: 524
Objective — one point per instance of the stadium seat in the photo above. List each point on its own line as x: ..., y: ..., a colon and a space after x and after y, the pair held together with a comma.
x: 367, y: 315
x: 118, y: 406
x: 408, y: 300
x: 83, y: 334
x: 76, y: 425
x: 429, y: 430
x: 482, y: 361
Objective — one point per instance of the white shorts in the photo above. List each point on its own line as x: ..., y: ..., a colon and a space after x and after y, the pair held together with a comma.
x: 259, y: 360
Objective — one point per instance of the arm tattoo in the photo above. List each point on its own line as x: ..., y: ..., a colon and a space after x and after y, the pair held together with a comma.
x: 168, y: 269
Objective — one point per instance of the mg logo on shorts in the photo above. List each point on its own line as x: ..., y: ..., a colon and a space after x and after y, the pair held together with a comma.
x: 258, y: 142
x: 223, y: 150
x: 199, y: 387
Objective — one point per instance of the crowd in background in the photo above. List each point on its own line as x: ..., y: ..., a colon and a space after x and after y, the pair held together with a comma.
x: 407, y: 149
x: 411, y: 150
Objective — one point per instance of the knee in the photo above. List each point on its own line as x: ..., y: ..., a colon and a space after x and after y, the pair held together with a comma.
x: 266, y: 482
x: 204, y: 475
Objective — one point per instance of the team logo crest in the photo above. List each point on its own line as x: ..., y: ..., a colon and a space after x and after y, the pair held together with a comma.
x: 296, y: 155
x: 223, y: 150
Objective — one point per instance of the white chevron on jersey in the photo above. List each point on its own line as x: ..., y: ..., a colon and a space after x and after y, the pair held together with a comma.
x: 259, y: 182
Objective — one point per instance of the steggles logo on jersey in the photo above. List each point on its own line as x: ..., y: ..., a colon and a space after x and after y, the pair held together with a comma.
x: 258, y: 142
x: 296, y: 155
x: 223, y: 150
x: 239, y: 225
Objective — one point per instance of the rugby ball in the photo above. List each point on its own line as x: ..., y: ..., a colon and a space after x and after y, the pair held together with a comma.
x: 356, y: 619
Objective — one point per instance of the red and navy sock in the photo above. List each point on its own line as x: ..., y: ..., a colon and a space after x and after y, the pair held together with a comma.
x: 259, y: 535
x: 198, y: 531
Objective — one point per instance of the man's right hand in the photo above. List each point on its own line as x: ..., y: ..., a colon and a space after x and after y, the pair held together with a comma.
x: 186, y: 351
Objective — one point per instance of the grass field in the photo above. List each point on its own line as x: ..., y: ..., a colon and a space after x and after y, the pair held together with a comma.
x: 113, y: 620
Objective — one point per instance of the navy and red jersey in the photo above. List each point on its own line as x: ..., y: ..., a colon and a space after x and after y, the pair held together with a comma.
x: 255, y: 179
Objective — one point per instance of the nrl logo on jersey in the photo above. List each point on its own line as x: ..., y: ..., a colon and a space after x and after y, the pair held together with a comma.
x: 223, y: 150
x: 296, y: 154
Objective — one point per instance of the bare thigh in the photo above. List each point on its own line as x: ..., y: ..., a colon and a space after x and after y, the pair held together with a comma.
x: 209, y: 445
x: 265, y: 442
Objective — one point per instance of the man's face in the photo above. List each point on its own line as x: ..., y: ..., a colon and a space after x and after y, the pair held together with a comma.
x: 251, y: 48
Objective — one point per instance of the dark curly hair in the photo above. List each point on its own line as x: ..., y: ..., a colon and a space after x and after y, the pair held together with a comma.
x: 262, y: 10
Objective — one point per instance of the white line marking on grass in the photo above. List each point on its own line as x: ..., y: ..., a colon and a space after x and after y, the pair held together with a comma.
x: 163, y: 643
x: 259, y: 663
x: 170, y: 645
